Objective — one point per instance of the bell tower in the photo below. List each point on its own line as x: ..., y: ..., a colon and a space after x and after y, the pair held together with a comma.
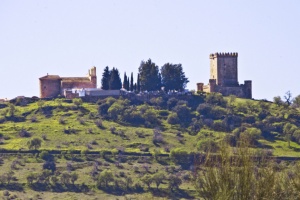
x: 93, y: 76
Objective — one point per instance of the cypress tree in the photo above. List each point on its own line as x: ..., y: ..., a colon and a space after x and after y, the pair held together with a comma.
x: 105, y: 78
x: 115, y: 82
x: 138, y: 83
x: 125, y: 81
x: 128, y: 88
x: 131, y: 82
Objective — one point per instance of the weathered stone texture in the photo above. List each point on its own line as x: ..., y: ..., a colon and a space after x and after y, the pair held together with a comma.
x: 224, y: 76
x: 54, y: 85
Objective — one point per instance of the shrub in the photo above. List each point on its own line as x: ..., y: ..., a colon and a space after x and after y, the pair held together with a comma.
x: 174, y: 182
x: 82, y: 120
x: 208, y: 145
x: 24, y: 133
x: 183, y: 113
x: 44, y: 137
x: 33, y: 118
x: 215, y: 99
x: 50, y: 165
x: 105, y: 177
x: 157, y: 137
x: 204, y: 109
x: 35, y: 143
x: 45, y: 155
x: 62, y: 120
x: 173, y: 118
x: 180, y: 156
x: 99, y: 123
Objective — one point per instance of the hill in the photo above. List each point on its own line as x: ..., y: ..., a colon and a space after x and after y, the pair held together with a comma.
x: 130, y: 139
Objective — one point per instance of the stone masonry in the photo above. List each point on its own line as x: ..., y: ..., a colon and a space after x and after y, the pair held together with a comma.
x: 53, y: 85
x: 224, y: 77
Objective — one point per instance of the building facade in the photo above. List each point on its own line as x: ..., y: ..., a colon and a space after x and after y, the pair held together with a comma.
x: 52, y: 86
x: 224, y: 77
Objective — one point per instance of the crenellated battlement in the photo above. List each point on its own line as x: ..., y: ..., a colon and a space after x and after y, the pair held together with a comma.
x: 227, y: 54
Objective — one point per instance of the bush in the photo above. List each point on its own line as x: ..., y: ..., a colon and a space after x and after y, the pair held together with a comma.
x: 157, y: 137
x: 171, y: 103
x: 105, y: 177
x: 99, y: 123
x: 50, y: 165
x: 204, y: 109
x: 45, y: 155
x: 183, y: 113
x: 180, y: 156
x: 35, y: 143
x: 24, y: 133
x: 208, y: 146
x: 173, y: 118
x: 215, y: 99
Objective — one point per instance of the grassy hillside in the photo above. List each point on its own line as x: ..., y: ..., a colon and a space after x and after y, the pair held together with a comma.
x: 133, y: 140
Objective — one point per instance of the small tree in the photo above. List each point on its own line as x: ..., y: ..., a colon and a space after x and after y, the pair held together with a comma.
x: 73, y: 177
x: 30, y: 178
x: 106, y: 176
x: 147, y: 180
x: 174, y: 182
x: 35, y: 143
x: 65, y: 178
x: 158, y: 178
x: 11, y: 109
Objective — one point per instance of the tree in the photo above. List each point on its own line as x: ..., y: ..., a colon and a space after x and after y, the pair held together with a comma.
x: 125, y: 81
x: 296, y: 101
x: 158, y: 178
x: 138, y: 86
x: 173, y: 77
x: 73, y: 177
x: 131, y: 82
x: 174, y: 182
x: 288, y: 98
x: 128, y: 84
x: 277, y: 100
x: 149, y: 76
x: 106, y: 176
x: 65, y: 178
x: 288, y: 130
x: 115, y: 82
x: 147, y: 179
x: 11, y: 109
x: 35, y: 143
x: 105, y: 79
x: 30, y: 178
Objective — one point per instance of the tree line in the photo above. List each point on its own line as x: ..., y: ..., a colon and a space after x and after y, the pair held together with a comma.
x: 149, y: 78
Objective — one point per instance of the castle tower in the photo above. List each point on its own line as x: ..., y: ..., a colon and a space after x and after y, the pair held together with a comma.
x: 93, y: 76
x: 224, y: 68
x: 50, y: 86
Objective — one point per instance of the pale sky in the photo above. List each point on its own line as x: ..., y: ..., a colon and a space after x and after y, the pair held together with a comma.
x: 66, y: 38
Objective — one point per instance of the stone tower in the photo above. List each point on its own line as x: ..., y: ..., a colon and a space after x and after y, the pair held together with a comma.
x: 93, y: 76
x: 224, y: 77
x: 224, y: 68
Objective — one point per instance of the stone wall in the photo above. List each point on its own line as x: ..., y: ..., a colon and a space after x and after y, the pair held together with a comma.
x: 49, y: 88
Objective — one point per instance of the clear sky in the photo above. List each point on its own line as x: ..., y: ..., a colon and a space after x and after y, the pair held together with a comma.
x: 67, y: 37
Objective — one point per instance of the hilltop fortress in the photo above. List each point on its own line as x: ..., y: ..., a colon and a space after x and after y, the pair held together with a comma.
x: 224, y: 77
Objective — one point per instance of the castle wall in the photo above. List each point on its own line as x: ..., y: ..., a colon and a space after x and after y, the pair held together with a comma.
x: 49, y: 88
x: 224, y: 77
